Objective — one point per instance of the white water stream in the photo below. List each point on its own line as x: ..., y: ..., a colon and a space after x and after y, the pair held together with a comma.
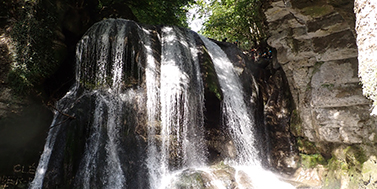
x: 249, y: 171
x: 237, y: 118
x: 181, y: 107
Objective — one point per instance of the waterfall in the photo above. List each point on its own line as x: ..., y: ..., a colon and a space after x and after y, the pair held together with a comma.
x: 237, y: 118
x: 108, y: 105
x: 181, y: 100
x: 138, y: 106
x: 45, y: 157
x: 102, y: 145
x: 249, y: 172
x: 151, y: 73
x: 182, y: 95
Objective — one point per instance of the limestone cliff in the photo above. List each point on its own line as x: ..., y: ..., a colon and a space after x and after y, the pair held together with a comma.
x: 316, y: 47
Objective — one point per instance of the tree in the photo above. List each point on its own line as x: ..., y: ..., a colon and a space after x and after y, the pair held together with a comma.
x: 167, y: 12
x: 236, y: 20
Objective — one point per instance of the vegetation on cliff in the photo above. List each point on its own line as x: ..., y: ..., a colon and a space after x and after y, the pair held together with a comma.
x: 33, y: 36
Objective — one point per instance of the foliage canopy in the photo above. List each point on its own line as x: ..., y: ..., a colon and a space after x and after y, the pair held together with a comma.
x: 236, y: 20
x: 167, y: 12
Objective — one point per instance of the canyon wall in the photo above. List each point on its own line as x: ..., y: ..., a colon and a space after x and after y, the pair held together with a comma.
x: 316, y: 47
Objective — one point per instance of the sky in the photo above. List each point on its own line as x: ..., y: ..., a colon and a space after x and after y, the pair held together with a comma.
x: 196, y: 23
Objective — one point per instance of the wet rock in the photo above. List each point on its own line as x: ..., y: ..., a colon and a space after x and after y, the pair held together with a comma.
x: 189, y: 179
x: 308, y: 178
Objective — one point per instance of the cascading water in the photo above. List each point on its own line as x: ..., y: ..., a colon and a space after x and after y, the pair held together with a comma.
x: 181, y: 100
x: 240, y: 124
x: 181, y: 106
x: 138, y: 109
x: 100, y: 78
x: 237, y: 118
x: 152, y: 85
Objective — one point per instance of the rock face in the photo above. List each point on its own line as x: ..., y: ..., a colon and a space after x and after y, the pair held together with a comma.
x: 316, y: 47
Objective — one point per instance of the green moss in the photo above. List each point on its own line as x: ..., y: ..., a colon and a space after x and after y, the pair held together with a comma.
x: 317, y: 11
x: 340, y: 3
x: 215, y: 90
x: 19, y: 81
x: 222, y: 165
x: 347, y: 158
x: 190, y: 180
x: 317, y: 67
x: 210, y: 76
x: 329, y: 86
x: 88, y: 85
x: 331, y: 183
x: 306, y: 147
x: 346, y: 165
x: 312, y: 160
x: 342, y: 170
x: 335, y: 172
x: 296, y: 124
x: 356, y: 155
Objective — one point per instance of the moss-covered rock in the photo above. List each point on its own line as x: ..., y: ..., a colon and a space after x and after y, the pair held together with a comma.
x: 189, y: 179
x: 369, y: 173
x: 350, y: 166
x: 296, y: 124
x: 317, y: 11
x: 340, y: 3
x: 345, y: 168
x: 211, y: 82
x: 312, y: 160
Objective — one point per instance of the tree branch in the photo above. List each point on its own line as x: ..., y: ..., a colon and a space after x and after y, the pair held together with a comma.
x: 67, y: 115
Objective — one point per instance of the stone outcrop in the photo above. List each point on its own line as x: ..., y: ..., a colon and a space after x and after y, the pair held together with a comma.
x: 316, y: 46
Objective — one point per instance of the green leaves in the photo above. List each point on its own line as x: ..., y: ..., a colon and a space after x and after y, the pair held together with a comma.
x: 237, y: 20
x: 155, y: 12
x: 169, y: 12
x: 33, y: 38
